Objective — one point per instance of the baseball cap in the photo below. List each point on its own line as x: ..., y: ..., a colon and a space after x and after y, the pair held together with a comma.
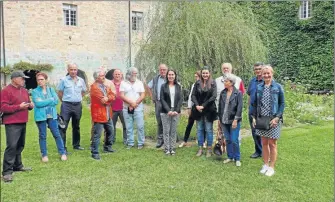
x: 18, y: 74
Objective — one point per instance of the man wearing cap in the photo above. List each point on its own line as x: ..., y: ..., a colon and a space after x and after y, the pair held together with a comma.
x: 71, y: 90
x: 15, y: 103
x: 252, y: 96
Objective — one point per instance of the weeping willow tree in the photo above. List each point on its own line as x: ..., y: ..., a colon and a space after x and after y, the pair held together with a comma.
x: 189, y: 35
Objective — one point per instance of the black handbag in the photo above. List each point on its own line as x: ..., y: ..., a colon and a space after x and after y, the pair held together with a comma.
x: 263, y: 122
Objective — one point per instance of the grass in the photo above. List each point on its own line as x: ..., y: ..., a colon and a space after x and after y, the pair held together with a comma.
x: 304, y: 172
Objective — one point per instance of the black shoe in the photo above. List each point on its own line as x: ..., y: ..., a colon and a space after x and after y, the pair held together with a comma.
x: 159, y: 145
x: 255, y: 155
x: 109, y: 150
x: 7, y: 178
x: 96, y: 156
x: 23, y: 169
x: 78, y: 148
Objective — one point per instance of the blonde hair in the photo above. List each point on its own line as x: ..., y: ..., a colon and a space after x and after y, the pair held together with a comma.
x: 264, y: 67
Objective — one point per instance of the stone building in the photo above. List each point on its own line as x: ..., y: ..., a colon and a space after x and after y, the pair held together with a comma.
x: 88, y: 33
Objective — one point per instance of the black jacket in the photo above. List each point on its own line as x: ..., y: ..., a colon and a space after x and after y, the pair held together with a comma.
x: 166, y: 99
x: 234, y: 107
x: 205, y: 99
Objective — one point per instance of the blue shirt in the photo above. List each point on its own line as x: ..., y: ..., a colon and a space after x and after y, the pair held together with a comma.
x: 72, y: 90
x: 252, y: 88
x: 160, y: 82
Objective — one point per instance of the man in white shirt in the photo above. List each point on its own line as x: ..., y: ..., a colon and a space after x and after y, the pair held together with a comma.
x: 132, y: 93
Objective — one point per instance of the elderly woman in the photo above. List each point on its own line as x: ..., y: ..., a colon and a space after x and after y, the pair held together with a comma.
x: 204, y: 109
x: 230, y: 117
x: 171, y: 98
x: 45, y: 113
x: 269, y: 103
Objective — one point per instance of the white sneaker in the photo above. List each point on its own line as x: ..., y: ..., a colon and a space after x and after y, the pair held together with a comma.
x: 227, y: 160
x: 182, y: 144
x: 270, y: 172
x: 264, y: 169
x: 238, y: 163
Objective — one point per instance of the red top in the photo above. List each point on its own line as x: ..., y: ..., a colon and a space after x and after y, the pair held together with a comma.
x: 117, y: 103
x: 11, y: 98
x: 100, y: 112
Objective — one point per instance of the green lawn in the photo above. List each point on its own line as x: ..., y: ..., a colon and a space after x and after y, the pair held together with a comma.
x: 304, y: 172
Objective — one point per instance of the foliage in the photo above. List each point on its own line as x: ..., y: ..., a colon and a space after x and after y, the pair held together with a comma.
x: 26, y: 66
x: 189, y: 35
x: 6, y: 70
x: 301, y: 107
x: 149, y: 175
x: 301, y: 50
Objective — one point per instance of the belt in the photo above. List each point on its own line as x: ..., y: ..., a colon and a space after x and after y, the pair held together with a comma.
x: 72, y: 103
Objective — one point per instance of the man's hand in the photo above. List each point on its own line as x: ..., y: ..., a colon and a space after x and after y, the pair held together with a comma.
x: 170, y: 113
x: 24, y: 105
x: 253, y: 122
x: 133, y: 104
x: 104, y: 100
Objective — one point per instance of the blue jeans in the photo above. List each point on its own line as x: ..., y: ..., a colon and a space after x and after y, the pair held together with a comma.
x: 129, y: 119
x: 204, y: 127
x: 42, y: 129
x: 257, y: 138
x: 97, y: 130
x: 231, y: 135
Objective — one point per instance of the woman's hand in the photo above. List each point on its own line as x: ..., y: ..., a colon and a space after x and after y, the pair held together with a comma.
x: 170, y: 113
x: 199, y: 108
x: 274, y: 122
x: 234, y: 124
x: 189, y: 112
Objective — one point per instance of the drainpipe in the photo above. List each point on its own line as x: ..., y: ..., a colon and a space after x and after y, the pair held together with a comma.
x: 129, y: 20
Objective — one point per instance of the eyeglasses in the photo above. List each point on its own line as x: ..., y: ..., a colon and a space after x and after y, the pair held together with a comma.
x: 40, y: 79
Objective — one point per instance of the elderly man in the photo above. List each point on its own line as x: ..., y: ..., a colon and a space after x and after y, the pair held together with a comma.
x: 252, y: 96
x: 101, y: 112
x: 71, y: 90
x: 155, y: 87
x: 118, y: 106
x: 227, y: 68
x: 15, y: 103
x: 132, y: 93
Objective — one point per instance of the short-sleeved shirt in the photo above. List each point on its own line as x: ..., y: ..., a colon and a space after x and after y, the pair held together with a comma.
x: 133, y: 92
x: 160, y: 82
x: 72, y: 90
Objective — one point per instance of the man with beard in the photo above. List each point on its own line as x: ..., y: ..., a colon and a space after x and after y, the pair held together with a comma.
x: 132, y: 93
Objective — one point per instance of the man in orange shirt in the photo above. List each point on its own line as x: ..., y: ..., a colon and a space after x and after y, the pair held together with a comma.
x: 101, y: 112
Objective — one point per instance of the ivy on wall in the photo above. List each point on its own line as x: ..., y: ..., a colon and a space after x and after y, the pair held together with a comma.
x: 25, y: 66
x: 301, y: 50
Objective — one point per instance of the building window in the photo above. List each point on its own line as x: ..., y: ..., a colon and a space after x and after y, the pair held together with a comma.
x: 70, y: 14
x: 137, y: 20
x: 305, y: 10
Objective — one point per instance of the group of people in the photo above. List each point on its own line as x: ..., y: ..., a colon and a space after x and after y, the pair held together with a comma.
x: 210, y: 101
